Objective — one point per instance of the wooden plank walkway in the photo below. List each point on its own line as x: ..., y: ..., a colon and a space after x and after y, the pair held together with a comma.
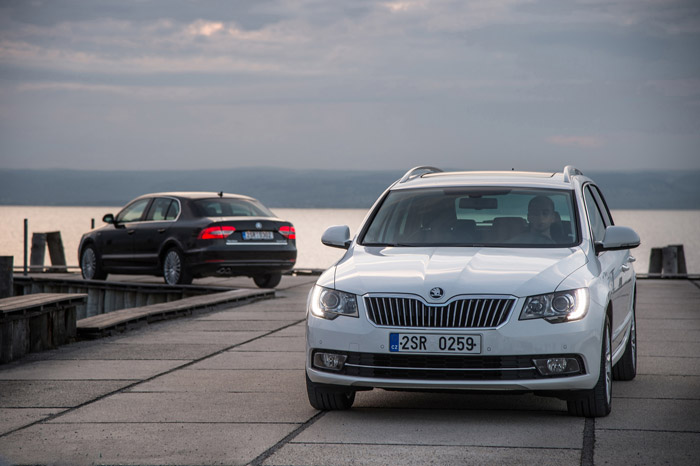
x: 36, y: 302
x: 118, y: 321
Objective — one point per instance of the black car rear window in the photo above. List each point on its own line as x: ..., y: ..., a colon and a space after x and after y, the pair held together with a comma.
x: 218, y: 207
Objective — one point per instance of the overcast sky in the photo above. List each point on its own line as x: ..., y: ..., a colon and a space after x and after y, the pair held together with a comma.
x: 356, y: 84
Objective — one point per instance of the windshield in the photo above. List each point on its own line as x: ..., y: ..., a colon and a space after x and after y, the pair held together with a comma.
x: 504, y: 217
x: 222, y: 207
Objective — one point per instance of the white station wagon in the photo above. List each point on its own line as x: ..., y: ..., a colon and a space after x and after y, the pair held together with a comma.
x: 490, y: 281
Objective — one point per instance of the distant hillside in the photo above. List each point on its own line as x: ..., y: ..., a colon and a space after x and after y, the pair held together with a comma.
x: 301, y: 188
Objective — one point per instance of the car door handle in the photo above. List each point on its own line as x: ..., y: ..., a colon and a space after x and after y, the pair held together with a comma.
x: 161, y: 230
x: 625, y: 268
x: 631, y: 259
x: 131, y: 232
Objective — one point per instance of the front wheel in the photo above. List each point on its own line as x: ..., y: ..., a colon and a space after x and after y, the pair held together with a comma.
x: 329, y: 397
x: 91, y: 265
x: 597, y: 402
x: 269, y: 280
x: 175, y: 271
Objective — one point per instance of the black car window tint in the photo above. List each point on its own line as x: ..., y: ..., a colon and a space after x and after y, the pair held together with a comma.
x: 231, y: 208
x: 173, y: 210
x: 133, y: 212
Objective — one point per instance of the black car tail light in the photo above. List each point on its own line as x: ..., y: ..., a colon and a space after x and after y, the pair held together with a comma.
x: 218, y: 232
x: 288, y: 232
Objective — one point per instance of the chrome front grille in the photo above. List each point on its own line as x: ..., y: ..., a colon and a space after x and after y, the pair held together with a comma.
x: 482, y: 312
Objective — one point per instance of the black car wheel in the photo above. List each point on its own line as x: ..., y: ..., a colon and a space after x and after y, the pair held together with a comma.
x: 597, y: 401
x: 90, y: 265
x: 174, y: 270
x: 269, y: 280
x: 329, y: 397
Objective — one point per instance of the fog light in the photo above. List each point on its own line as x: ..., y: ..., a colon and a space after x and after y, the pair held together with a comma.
x: 557, y: 366
x: 330, y: 361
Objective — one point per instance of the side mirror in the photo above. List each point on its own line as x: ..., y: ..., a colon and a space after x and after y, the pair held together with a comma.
x: 337, y: 237
x: 617, y: 238
x: 108, y: 218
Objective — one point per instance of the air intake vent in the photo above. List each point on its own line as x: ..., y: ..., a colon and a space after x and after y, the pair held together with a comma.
x: 461, y: 313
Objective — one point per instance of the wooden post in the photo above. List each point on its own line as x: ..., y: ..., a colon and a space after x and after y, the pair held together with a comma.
x: 655, y: 261
x: 6, y: 263
x: 58, y: 256
x: 36, y: 261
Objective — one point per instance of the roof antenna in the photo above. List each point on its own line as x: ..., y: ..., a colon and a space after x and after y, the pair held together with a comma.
x: 512, y: 169
x: 221, y: 194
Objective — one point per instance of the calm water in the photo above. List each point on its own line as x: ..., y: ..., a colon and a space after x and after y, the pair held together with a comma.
x: 656, y: 228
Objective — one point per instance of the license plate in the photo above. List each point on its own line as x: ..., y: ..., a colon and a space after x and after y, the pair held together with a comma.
x: 257, y: 235
x: 434, y: 343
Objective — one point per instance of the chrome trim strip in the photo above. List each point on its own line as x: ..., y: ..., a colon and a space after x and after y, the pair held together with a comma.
x: 443, y: 368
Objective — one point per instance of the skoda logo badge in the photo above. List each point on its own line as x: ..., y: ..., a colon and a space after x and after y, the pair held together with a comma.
x: 437, y: 292
x: 258, y: 225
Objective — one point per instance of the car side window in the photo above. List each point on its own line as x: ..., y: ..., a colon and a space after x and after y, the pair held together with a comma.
x: 602, y: 205
x: 173, y: 210
x: 594, y: 216
x: 133, y: 212
x: 159, y: 209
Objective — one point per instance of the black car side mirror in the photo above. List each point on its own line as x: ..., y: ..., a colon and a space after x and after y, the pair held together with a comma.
x: 108, y: 218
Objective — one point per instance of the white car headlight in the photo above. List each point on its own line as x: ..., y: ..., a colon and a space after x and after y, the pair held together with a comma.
x: 329, y: 304
x: 562, y: 306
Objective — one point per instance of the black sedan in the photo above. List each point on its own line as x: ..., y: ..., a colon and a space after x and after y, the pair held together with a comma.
x: 182, y: 236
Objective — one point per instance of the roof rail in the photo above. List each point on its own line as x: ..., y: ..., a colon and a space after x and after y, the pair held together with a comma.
x: 570, y: 171
x: 418, y: 171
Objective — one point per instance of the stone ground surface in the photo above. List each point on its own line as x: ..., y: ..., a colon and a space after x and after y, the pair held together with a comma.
x: 227, y: 387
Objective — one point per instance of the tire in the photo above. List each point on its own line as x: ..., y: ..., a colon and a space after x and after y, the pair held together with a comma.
x: 269, y: 280
x: 626, y: 367
x: 329, y: 397
x: 597, y: 402
x: 91, y: 264
x: 174, y: 270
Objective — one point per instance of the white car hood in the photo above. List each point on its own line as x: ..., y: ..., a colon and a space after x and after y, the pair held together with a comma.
x: 503, y: 271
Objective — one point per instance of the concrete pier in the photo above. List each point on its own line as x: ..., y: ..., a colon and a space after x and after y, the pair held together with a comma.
x: 227, y: 387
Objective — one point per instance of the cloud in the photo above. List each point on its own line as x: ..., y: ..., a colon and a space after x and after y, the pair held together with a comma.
x: 576, y: 141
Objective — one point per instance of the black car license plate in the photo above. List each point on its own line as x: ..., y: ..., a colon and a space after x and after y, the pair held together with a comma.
x: 258, y: 235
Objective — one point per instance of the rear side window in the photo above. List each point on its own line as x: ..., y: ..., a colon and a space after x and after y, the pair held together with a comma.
x: 162, y: 209
x: 219, y: 207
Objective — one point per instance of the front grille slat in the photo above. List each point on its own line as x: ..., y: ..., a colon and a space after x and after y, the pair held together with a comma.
x: 476, y: 312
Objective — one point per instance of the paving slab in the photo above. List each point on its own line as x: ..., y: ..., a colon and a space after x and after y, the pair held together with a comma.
x: 234, y: 325
x: 669, y: 348
x: 89, y: 370
x: 647, y: 325
x: 378, y: 398
x: 141, y: 444
x: 314, y: 454
x: 653, y: 415
x: 55, y: 393
x: 666, y: 365
x: 650, y: 331
x: 446, y: 427
x: 215, y: 407
x: 194, y: 337
x: 275, y: 343
x: 226, y: 381
x: 14, y: 418
x: 685, y: 387
x: 235, y: 359
x: 255, y: 315
x: 125, y: 351
x: 646, y: 448
x: 298, y: 330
